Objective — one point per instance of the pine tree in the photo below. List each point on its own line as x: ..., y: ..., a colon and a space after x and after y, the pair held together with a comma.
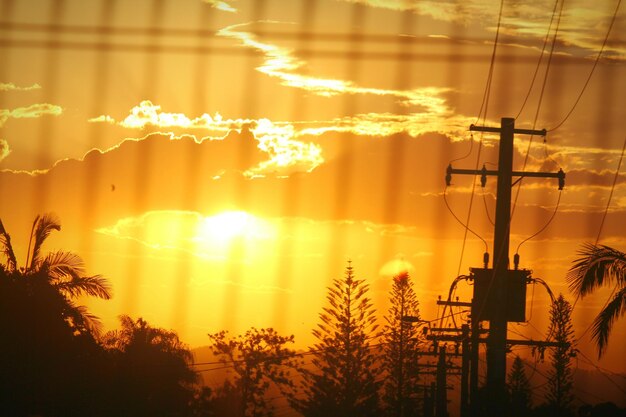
x: 343, y: 381
x: 559, y: 396
x: 519, y: 389
x: 401, y: 342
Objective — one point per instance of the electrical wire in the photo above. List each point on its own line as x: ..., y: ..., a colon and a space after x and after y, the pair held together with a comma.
x: 485, y: 101
x: 483, y: 109
x: 606, y: 211
x: 545, y: 226
x: 445, y: 199
x: 608, y: 203
x: 595, y: 64
x: 590, y: 362
x: 543, y: 49
x: 487, y: 208
x: 539, y: 103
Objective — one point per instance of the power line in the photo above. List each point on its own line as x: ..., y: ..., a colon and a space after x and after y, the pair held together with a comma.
x: 621, y: 389
x: 545, y: 43
x: 445, y: 199
x: 545, y: 226
x: 582, y: 91
x: 608, y: 203
x: 540, y: 101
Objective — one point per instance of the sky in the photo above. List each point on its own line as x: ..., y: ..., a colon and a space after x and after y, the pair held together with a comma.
x: 220, y: 162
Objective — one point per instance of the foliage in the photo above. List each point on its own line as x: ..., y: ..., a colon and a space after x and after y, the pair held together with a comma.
x: 519, y: 389
x: 152, y: 370
x: 62, y: 271
x: 600, y: 266
x: 559, y: 395
x: 401, y: 343
x: 258, y: 358
x: 225, y: 401
x: 49, y: 358
x: 343, y: 382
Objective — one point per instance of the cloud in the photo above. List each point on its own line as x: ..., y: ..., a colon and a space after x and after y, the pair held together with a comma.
x: 102, y: 119
x: 583, y: 24
x: 221, y: 5
x: 13, y: 87
x: 280, y: 63
x: 430, y: 110
x: 4, y: 149
x: 32, y: 111
x: 277, y: 139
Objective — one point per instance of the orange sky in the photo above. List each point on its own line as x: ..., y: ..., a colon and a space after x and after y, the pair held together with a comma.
x: 219, y: 162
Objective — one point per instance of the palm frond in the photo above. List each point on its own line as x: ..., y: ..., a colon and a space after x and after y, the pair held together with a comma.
x: 598, y: 265
x: 44, y: 225
x: 61, y: 263
x: 66, y: 271
x: 83, y: 320
x: 7, y: 248
x: 603, y: 323
x: 76, y: 286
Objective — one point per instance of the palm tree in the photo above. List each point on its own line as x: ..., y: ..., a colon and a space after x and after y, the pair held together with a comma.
x: 598, y: 266
x: 63, y: 271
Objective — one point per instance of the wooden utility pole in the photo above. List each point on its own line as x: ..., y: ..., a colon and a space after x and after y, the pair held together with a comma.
x: 495, y: 306
x: 441, y: 400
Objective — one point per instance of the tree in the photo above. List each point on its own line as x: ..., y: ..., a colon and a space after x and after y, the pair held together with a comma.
x: 559, y: 395
x: 599, y: 266
x: 401, y: 342
x: 152, y: 373
x: 257, y: 358
x: 49, y: 357
x: 343, y: 382
x: 519, y: 390
x: 63, y: 271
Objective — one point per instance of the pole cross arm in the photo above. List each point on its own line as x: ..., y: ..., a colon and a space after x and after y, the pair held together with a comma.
x: 536, y: 343
x: 475, y: 128
x: 484, y: 172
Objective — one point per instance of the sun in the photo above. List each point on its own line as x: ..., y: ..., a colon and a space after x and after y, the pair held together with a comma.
x: 228, y: 226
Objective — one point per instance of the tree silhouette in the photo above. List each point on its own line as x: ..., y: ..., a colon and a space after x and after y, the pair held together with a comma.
x: 63, y: 271
x: 225, y: 401
x: 48, y: 356
x: 559, y: 394
x: 401, y: 342
x: 152, y: 373
x: 519, y: 390
x: 257, y: 358
x: 599, y: 266
x: 343, y: 382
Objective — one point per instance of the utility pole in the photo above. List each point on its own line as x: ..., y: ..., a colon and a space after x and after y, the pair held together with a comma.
x: 441, y: 401
x: 465, y: 368
x: 499, y: 285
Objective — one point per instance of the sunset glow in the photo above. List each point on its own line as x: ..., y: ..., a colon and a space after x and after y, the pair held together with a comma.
x: 230, y: 225
x: 220, y: 163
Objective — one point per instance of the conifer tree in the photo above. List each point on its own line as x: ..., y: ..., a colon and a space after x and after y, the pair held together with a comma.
x: 519, y: 389
x: 401, y: 342
x: 343, y: 381
x: 559, y: 396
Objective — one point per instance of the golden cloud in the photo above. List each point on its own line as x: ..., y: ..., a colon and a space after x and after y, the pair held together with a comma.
x: 4, y: 149
x: 13, y: 87
x: 221, y: 5
x: 32, y: 111
x: 277, y: 139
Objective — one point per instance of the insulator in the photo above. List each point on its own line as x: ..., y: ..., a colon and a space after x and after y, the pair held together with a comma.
x: 449, y: 175
x: 486, y: 259
x: 561, y: 176
x: 516, y: 261
x: 483, y: 177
